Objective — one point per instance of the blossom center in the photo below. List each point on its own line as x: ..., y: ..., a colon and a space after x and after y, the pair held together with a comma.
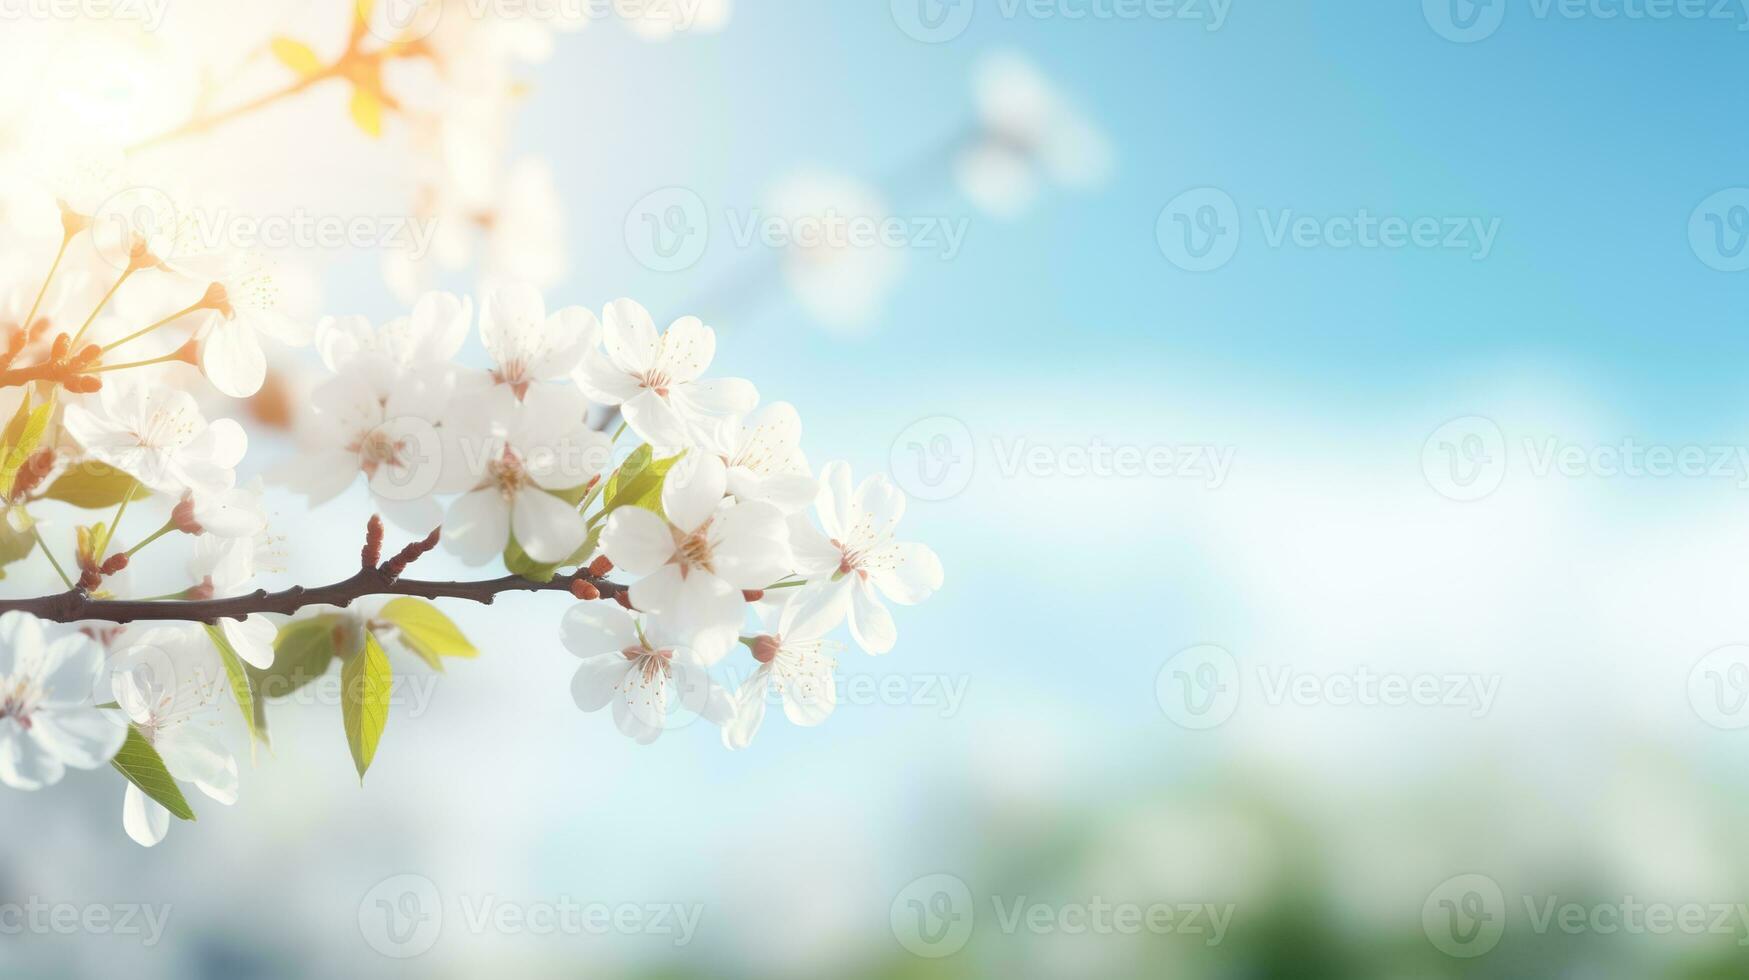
x: 378, y: 449
x: 849, y: 560
x: 18, y: 703
x: 509, y: 473
x: 514, y: 374
x: 656, y: 380
x: 693, y: 550
x: 648, y: 663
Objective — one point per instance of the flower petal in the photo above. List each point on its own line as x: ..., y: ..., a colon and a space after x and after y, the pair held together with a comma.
x: 750, y: 545
x: 656, y: 420
x: 637, y: 540
x: 478, y: 526
x: 749, y: 710
x: 688, y: 347
x: 597, y: 680
x: 143, y: 818
x: 870, y: 622
x: 834, y: 501
x: 693, y: 490
x: 547, y: 528
x: 630, y: 337
x: 592, y: 628
x: 906, y: 572
x: 231, y: 358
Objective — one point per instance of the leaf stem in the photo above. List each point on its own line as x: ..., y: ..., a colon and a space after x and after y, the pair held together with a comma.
x: 102, y: 303
x: 109, y: 532
x: 44, y: 291
x: 50, y: 555
x: 146, y: 330
x: 155, y: 535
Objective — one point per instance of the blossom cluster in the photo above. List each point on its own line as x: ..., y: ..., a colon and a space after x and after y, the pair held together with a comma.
x: 717, y: 533
x: 703, y: 499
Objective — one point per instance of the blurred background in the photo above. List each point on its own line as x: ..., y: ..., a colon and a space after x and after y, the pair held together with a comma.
x: 1331, y: 420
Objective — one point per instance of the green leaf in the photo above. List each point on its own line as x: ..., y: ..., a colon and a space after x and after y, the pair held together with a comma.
x: 236, y: 673
x: 640, y: 487
x: 16, y: 539
x: 365, y: 684
x: 20, y: 446
x: 143, y: 767
x: 296, y: 55
x: 519, y: 563
x: 426, y: 631
x: 301, y: 653
x: 92, y: 486
x: 634, y: 464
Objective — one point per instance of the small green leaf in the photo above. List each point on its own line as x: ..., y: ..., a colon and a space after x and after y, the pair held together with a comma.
x: 638, y: 488
x: 92, y: 486
x: 519, y: 563
x: 301, y: 653
x: 365, y: 685
x: 296, y: 55
x: 20, y: 446
x: 426, y: 631
x: 143, y: 767
x: 629, y: 469
x: 236, y: 673
x: 16, y: 541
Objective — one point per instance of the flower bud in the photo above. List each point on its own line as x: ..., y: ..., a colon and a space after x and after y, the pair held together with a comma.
x: 765, y: 648
x: 584, y: 589
x: 182, y: 515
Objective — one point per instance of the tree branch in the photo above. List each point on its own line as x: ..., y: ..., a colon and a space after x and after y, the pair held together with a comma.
x: 374, y: 578
x: 76, y: 604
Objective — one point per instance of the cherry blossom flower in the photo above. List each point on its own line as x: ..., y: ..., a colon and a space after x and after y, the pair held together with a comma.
x: 654, y: 378
x: 222, y: 568
x: 234, y: 512
x: 513, y: 469
x: 49, y: 719
x: 795, y: 664
x: 764, y: 457
x: 856, y: 556
x: 526, y: 344
x: 371, y: 419
x: 430, y: 337
x: 1028, y: 126
x: 168, y: 683
x: 156, y: 434
x: 696, y: 562
x: 839, y: 278
x: 244, y: 305
x: 640, y: 671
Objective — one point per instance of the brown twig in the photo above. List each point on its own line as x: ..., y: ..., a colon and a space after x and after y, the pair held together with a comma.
x: 65, y: 366
x: 76, y: 605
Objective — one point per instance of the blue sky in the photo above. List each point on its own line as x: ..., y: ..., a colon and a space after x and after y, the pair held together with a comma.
x: 1589, y: 140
